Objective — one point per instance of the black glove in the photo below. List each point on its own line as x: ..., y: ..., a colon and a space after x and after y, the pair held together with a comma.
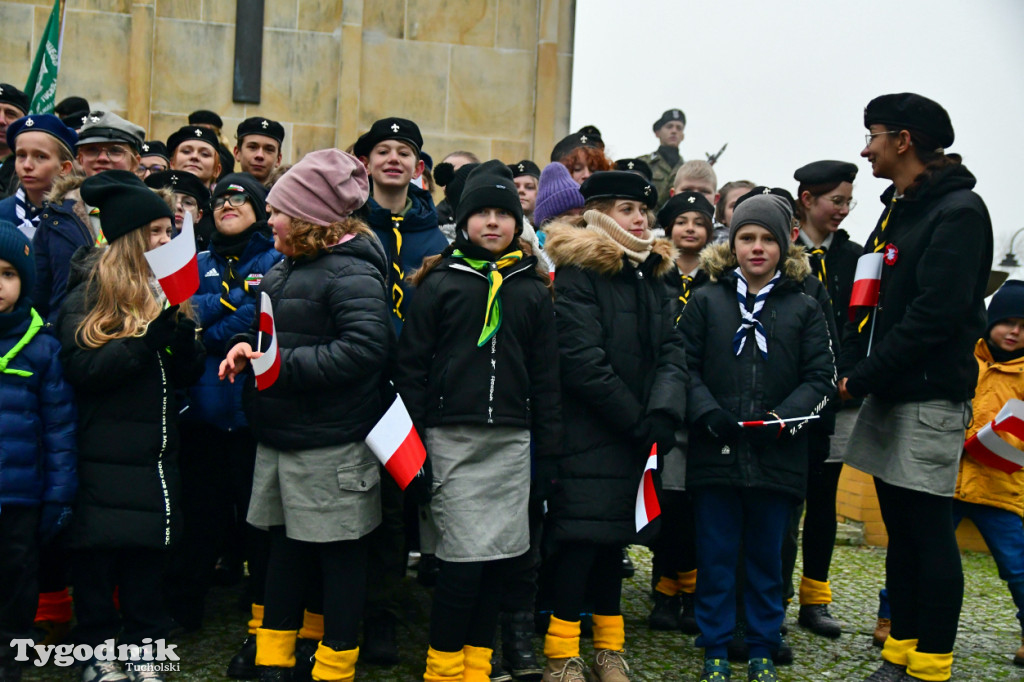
x: 420, y: 487
x: 545, y: 478
x: 763, y: 436
x: 52, y: 518
x: 161, y: 330
x: 659, y: 429
x: 184, y: 341
x: 720, y: 424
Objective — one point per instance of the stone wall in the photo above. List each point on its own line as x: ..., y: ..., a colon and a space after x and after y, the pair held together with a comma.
x: 489, y: 76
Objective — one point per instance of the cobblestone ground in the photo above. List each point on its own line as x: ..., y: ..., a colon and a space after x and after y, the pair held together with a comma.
x: 989, y: 633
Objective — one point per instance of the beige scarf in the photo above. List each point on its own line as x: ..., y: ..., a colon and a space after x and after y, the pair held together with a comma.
x: 636, y: 249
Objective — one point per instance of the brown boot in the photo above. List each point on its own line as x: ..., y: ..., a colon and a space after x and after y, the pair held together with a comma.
x: 565, y: 670
x: 610, y: 666
x: 1018, y: 658
x: 881, y: 634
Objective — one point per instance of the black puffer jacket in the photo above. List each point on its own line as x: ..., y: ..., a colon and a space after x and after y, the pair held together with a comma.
x: 445, y: 378
x: 621, y: 360
x: 932, y: 303
x: 336, y: 341
x: 797, y: 379
x: 129, y: 485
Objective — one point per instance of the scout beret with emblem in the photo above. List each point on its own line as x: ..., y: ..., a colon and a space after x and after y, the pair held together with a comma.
x: 103, y: 126
x: 568, y: 144
x: 635, y: 166
x: 619, y: 185
x: 825, y: 172
x: 180, y: 181
x: 192, y: 132
x: 13, y: 96
x: 43, y: 123
x: 524, y: 167
x: 392, y: 128
x: 155, y: 148
x: 910, y: 111
x: 257, y: 125
x: 205, y: 117
x: 670, y: 115
x: 684, y: 202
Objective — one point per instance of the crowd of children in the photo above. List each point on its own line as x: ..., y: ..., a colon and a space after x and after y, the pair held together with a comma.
x: 548, y: 331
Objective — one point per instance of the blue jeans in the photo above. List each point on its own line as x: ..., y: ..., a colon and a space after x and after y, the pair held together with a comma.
x: 728, y: 518
x: 1004, y: 534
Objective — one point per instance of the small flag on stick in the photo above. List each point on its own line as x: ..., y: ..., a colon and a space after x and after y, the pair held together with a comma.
x: 647, y: 507
x: 989, y: 445
x: 397, y: 445
x: 867, y: 281
x: 268, y: 365
x: 175, y: 264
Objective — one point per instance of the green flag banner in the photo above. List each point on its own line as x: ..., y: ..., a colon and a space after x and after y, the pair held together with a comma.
x: 42, y: 80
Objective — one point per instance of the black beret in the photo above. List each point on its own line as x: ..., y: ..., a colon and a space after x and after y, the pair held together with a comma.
x: 592, y: 131
x: 258, y: 125
x: 427, y: 159
x: 910, y: 111
x: 489, y: 185
x: 205, y: 116
x: 180, y: 181
x: 619, y: 185
x: 670, y: 115
x: 572, y: 142
x: 13, y: 96
x: 455, y: 181
x: 125, y: 203
x: 244, y: 183
x: 192, y: 132
x: 635, y: 166
x: 392, y: 128
x: 684, y: 202
x: 155, y: 148
x: 761, y: 189
x: 72, y: 111
x: 524, y: 167
x: 824, y: 172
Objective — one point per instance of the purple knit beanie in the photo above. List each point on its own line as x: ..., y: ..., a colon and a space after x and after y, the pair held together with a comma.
x: 557, y: 193
x: 322, y: 188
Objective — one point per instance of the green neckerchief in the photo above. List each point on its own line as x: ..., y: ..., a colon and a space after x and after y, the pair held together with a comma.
x: 492, y: 316
x: 33, y: 328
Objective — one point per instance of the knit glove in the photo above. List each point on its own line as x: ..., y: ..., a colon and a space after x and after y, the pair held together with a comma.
x: 161, y: 330
x: 660, y: 430
x: 52, y: 518
x: 722, y: 426
x: 764, y: 436
x: 420, y: 487
x: 184, y: 341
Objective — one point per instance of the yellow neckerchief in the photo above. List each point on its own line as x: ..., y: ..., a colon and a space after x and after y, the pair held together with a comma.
x: 492, y: 315
x: 877, y: 245
x: 33, y: 328
x: 396, y: 264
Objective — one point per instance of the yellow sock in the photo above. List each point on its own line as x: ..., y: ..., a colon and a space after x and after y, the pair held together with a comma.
x: 275, y: 648
x: 256, y: 621
x: 312, y: 626
x: 895, y: 650
x: 563, y: 639
x: 668, y: 586
x: 609, y: 633
x: 688, y: 581
x: 336, y: 666
x: 814, y: 592
x: 444, y: 666
x: 478, y: 663
x: 924, y: 666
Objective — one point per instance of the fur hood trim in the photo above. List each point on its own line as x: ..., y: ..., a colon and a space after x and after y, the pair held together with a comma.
x: 590, y: 250
x: 63, y: 186
x: 717, y: 259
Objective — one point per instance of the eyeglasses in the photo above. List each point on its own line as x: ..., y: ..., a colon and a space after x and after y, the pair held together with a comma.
x: 235, y: 200
x: 155, y: 168
x: 186, y: 202
x: 867, y: 138
x: 114, y: 153
x: 839, y: 202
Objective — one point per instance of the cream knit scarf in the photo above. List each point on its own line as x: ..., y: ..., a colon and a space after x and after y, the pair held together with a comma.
x: 636, y: 249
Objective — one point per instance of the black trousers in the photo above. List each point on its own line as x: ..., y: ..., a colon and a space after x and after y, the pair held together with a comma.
x: 923, y: 574
x: 675, y: 548
x: 342, y: 575
x: 587, y: 572
x: 387, y: 553
x: 467, y: 598
x: 19, y: 556
x: 520, y: 589
x: 138, y: 576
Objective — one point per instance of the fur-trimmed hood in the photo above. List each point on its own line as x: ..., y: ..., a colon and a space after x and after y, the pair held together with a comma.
x: 592, y: 250
x: 717, y: 259
x: 67, y: 188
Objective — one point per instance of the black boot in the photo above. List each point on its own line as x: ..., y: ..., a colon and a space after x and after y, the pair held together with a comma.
x: 517, y: 645
x: 498, y: 672
x: 665, y: 614
x: 688, y: 615
x: 273, y: 674
x: 817, y: 619
x: 305, y: 649
x: 243, y: 663
x: 628, y: 569
x: 379, y: 645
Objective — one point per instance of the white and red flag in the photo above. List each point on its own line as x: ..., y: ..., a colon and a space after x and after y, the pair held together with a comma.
x: 647, y: 507
x: 174, y: 264
x: 268, y: 365
x: 989, y: 445
x: 867, y: 281
x: 397, y: 445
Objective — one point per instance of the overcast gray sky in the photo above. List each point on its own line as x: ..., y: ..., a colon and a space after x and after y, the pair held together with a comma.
x: 785, y: 83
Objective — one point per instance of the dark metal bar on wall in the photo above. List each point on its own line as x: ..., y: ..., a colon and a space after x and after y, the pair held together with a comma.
x: 248, y: 51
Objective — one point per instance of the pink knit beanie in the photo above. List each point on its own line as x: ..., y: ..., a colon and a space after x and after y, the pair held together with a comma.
x: 322, y: 188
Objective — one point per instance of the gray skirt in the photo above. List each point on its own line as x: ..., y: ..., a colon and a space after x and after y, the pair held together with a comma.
x: 319, y: 495
x: 910, y: 445
x: 673, y: 474
x: 481, y: 491
x: 845, y: 419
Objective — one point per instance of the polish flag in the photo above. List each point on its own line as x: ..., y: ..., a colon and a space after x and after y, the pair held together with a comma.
x: 647, y: 507
x: 397, y: 445
x: 866, y: 282
x: 989, y: 445
x: 268, y: 365
x: 174, y: 264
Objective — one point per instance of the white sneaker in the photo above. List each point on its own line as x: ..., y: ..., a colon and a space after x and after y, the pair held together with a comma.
x: 103, y: 671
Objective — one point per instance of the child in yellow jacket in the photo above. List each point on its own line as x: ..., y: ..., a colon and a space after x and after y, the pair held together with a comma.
x: 991, y: 498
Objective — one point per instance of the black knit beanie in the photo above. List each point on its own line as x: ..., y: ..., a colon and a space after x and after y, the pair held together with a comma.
x: 490, y: 185
x: 244, y: 183
x: 124, y: 201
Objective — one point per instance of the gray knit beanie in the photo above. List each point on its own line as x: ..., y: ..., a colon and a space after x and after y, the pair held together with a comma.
x: 770, y: 211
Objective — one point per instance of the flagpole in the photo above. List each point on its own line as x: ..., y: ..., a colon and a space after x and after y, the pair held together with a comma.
x: 871, y: 334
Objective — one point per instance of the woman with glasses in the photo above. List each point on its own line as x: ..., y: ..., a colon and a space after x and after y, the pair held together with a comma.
x: 195, y: 149
x: 154, y: 159
x: 218, y: 450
